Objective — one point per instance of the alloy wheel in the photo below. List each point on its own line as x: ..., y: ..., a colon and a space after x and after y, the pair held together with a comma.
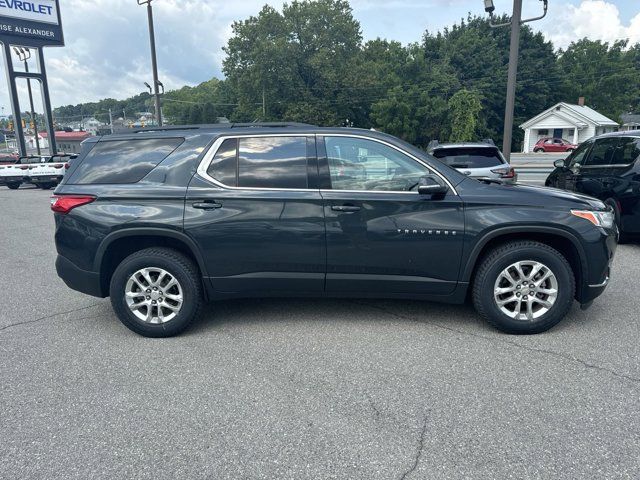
x: 526, y: 290
x: 154, y: 295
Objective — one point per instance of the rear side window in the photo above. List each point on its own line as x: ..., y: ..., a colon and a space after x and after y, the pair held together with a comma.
x: 123, y: 161
x: 469, y: 157
x: 602, y: 152
x: 272, y: 162
x: 627, y: 151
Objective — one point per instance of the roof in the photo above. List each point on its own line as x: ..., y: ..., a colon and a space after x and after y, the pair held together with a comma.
x: 442, y: 146
x: 630, y: 118
x: 573, y: 113
x: 72, y: 136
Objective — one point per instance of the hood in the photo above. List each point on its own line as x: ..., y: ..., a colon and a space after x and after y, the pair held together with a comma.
x: 519, y: 194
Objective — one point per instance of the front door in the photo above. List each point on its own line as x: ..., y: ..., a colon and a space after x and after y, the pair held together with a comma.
x: 382, y: 236
x: 557, y: 132
x: 566, y: 178
x: 257, y: 218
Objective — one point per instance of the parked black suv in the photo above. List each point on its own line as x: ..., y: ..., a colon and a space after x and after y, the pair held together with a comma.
x: 164, y: 220
x: 606, y: 167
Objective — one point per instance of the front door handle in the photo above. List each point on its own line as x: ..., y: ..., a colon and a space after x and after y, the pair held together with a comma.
x: 206, y: 205
x: 345, y: 208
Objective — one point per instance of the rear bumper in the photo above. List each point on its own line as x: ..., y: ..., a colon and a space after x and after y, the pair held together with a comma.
x: 46, y: 178
x: 13, y: 179
x: 78, y: 279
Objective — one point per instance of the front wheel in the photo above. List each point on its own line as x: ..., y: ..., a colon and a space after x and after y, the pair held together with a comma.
x: 524, y: 287
x: 13, y: 186
x: 156, y: 292
x: 538, y: 150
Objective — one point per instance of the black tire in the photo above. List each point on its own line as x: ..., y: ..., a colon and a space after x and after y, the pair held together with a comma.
x: 13, y: 186
x: 538, y: 150
x: 500, y: 259
x: 177, y: 265
x: 45, y: 186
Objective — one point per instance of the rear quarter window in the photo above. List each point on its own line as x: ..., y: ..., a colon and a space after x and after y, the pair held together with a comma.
x: 123, y: 161
x: 469, y: 157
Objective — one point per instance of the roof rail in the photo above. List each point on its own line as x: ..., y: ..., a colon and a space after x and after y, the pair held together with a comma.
x: 489, y: 141
x: 217, y: 125
x: 432, y: 144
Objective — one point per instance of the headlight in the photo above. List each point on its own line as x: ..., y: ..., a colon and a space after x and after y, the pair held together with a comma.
x: 599, y: 219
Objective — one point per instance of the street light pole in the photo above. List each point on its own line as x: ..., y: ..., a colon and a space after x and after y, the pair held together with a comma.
x: 154, y: 62
x: 514, y: 50
x: 514, y: 47
x: 24, y: 54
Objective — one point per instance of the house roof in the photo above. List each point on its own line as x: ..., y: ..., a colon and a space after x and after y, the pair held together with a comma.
x: 630, y: 118
x: 575, y: 113
x: 72, y: 136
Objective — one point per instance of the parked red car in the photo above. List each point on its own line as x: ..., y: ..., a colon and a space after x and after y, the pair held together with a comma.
x: 554, y: 145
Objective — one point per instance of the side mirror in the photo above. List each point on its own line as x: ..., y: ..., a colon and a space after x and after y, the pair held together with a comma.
x: 559, y: 163
x: 432, y: 185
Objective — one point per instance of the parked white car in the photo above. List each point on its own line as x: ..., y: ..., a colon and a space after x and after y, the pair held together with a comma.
x: 15, y: 175
x: 50, y: 171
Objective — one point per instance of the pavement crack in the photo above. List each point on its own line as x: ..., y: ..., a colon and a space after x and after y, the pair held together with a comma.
x: 563, y: 356
x: 373, y: 406
x: 46, y: 317
x: 416, y: 458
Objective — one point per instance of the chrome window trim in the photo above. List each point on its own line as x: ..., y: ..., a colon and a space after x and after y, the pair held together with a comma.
x: 211, y: 153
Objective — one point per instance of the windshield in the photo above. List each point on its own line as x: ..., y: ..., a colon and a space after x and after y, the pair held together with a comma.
x: 469, y: 157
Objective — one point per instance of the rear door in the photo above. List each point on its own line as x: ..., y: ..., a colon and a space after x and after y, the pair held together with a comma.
x: 255, y: 211
x: 382, y: 236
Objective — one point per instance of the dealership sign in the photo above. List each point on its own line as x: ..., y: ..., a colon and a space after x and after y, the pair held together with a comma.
x: 36, y: 22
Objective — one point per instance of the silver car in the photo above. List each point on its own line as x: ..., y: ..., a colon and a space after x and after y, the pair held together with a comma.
x: 477, y: 160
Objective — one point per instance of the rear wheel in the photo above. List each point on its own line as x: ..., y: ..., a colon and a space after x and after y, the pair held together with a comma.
x: 538, y: 150
x: 13, y: 186
x: 46, y: 186
x: 156, y: 292
x: 524, y: 287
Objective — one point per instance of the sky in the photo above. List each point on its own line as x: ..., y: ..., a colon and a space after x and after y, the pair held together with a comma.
x: 107, y: 44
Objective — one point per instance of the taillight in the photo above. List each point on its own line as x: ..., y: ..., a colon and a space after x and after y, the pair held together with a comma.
x: 58, y: 166
x: 505, y: 172
x: 24, y: 167
x: 65, y: 203
x: 66, y: 166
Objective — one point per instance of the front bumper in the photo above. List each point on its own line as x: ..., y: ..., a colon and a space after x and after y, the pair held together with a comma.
x: 78, y: 279
x: 600, y: 256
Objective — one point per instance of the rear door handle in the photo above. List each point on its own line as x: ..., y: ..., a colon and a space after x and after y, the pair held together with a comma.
x: 345, y: 208
x: 206, y: 205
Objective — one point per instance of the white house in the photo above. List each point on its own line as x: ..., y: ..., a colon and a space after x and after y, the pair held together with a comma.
x: 575, y: 123
x: 630, y: 122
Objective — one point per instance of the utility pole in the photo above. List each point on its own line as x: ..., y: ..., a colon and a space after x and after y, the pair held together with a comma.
x: 514, y: 48
x: 24, y: 54
x: 154, y: 62
x: 111, y: 121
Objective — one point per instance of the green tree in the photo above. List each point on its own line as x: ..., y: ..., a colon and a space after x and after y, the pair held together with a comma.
x: 464, y: 109
x: 195, y: 115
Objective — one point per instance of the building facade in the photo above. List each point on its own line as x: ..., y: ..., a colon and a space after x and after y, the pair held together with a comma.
x: 575, y: 123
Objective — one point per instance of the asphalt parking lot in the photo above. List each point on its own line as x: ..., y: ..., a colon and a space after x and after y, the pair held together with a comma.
x: 306, y: 389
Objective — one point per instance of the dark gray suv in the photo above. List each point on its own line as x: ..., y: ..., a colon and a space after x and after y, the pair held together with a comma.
x: 162, y: 221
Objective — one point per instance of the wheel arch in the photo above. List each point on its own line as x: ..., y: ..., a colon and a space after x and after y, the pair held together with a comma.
x: 566, y: 243
x: 119, y: 245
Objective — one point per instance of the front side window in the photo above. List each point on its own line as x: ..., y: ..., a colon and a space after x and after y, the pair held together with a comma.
x: 224, y: 166
x: 362, y: 164
x: 579, y: 153
x: 272, y: 162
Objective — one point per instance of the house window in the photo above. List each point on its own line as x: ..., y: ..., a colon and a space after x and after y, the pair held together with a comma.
x: 543, y: 131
